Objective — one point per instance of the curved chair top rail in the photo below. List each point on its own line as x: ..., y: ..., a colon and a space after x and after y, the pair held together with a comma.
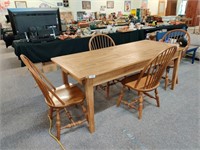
x: 99, y: 41
x: 179, y: 36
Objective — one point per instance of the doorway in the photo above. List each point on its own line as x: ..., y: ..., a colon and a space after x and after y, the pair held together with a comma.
x: 171, y: 8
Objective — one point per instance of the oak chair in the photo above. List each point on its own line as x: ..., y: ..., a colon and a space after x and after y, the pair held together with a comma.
x: 147, y: 80
x: 180, y: 37
x: 57, y: 98
x: 99, y: 41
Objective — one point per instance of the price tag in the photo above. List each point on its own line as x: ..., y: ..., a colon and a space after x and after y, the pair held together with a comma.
x: 92, y: 76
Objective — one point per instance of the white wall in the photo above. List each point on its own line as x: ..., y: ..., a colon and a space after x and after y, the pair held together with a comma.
x: 76, y: 5
x: 153, y: 6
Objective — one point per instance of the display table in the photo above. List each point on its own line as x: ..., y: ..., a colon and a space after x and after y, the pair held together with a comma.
x: 168, y: 27
x: 8, y: 36
x: 44, y: 51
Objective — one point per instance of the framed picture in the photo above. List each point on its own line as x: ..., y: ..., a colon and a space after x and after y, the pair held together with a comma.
x: 20, y: 4
x: 110, y: 4
x: 65, y: 3
x: 102, y: 8
x: 86, y: 5
x: 127, y: 6
x: 44, y: 5
x: 66, y: 16
x: 59, y: 4
x: 144, y: 4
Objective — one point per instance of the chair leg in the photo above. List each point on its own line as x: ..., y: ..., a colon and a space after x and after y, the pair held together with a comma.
x: 107, y: 89
x: 84, y: 111
x: 157, y: 97
x: 140, y: 105
x: 193, y: 55
x: 166, y: 78
x: 120, y: 96
x: 58, y: 123
x: 51, y: 113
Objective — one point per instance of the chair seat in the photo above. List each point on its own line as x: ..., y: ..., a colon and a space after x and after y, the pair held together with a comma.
x: 131, y: 81
x: 69, y: 95
x: 171, y: 64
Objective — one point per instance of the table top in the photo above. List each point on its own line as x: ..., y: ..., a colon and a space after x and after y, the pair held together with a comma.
x: 98, y: 62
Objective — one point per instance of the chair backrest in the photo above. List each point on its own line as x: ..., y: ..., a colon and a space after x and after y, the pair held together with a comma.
x: 99, y: 41
x: 154, y: 70
x: 159, y: 35
x: 44, y: 84
x: 178, y: 36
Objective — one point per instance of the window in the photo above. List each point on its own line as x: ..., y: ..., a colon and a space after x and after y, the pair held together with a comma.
x: 182, y: 7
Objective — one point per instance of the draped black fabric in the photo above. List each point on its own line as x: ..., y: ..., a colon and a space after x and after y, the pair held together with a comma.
x: 44, y: 51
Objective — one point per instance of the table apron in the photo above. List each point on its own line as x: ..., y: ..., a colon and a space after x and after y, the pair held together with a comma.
x: 109, y: 76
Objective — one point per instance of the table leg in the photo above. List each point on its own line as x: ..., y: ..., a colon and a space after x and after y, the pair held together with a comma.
x: 89, y: 91
x: 65, y: 78
x: 175, y: 70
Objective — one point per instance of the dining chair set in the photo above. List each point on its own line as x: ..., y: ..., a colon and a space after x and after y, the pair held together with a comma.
x: 147, y: 80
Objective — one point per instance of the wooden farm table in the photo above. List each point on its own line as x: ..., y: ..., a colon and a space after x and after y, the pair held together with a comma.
x: 92, y: 68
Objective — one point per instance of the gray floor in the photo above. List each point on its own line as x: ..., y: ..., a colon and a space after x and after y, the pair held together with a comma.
x: 174, y: 126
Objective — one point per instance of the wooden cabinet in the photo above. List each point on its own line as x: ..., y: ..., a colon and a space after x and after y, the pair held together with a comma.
x: 193, y: 11
x: 161, y: 8
x: 171, y: 8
